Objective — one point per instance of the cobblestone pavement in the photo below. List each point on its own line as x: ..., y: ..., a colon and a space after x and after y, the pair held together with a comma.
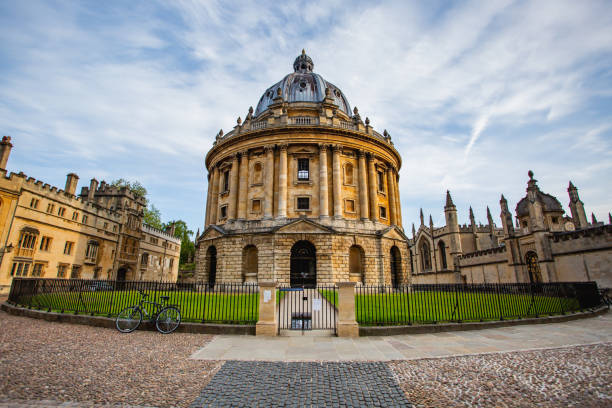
x: 269, y: 384
x: 579, y: 376
x: 62, y: 362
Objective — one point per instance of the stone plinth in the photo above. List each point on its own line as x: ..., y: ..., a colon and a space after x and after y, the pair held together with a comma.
x: 347, y: 325
x: 268, y: 312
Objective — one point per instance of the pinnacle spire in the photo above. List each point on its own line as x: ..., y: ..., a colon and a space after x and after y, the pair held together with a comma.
x: 609, y: 218
x: 449, y: 199
x: 593, y: 219
x: 422, y: 219
x: 571, y: 186
x: 413, y: 231
x: 430, y: 221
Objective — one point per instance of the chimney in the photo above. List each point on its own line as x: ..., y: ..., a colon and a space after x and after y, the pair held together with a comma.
x: 5, y: 151
x: 93, y: 186
x: 71, y: 183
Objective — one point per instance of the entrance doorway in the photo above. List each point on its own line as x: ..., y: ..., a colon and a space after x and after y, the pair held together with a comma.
x: 303, y: 272
x: 396, y: 263
x: 121, y: 277
x: 211, y: 254
x: 533, y: 267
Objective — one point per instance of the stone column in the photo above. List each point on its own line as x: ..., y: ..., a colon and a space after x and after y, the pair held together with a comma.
x: 282, y: 182
x: 214, y: 199
x: 398, y: 205
x: 208, y: 199
x: 337, y: 182
x: 268, y: 312
x: 373, y: 183
x: 391, y: 196
x: 243, y: 185
x: 269, y: 182
x: 323, y: 189
x: 363, y: 189
x: 347, y: 325
x: 233, y: 189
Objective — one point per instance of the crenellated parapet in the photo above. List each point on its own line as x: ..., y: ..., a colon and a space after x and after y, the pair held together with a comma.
x: 160, y: 234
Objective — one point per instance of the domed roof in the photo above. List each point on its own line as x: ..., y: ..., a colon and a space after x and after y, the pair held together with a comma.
x: 303, y: 85
x: 549, y: 203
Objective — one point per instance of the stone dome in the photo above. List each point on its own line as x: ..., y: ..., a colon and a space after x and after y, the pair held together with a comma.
x: 303, y: 85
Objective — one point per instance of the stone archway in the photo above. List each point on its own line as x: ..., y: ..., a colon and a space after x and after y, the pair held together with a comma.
x: 211, y: 256
x: 533, y: 267
x: 303, y: 271
x: 396, y: 266
x: 122, y: 273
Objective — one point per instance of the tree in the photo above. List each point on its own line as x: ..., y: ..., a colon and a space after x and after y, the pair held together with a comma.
x: 134, y: 186
x: 184, y: 233
x: 152, y: 217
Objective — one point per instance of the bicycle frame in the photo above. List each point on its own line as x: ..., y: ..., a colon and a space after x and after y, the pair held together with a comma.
x: 157, y: 307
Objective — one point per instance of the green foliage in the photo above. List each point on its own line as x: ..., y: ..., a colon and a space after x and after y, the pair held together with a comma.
x: 187, y: 245
x: 152, y: 217
x: 134, y: 186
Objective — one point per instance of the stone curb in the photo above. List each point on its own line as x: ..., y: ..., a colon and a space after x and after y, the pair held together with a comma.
x: 108, y: 322
x: 446, y: 327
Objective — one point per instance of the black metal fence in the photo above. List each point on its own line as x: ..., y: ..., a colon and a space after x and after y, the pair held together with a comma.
x: 405, y: 305
x: 224, y: 303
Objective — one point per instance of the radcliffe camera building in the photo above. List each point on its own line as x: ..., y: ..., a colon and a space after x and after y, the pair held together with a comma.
x: 51, y: 232
x: 303, y: 192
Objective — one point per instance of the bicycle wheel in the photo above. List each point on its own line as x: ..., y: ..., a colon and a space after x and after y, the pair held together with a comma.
x: 128, y: 319
x: 168, y: 320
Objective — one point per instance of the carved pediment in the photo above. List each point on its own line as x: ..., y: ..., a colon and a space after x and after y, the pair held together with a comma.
x: 212, y: 232
x: 394, y: 233
x: 304, y: 227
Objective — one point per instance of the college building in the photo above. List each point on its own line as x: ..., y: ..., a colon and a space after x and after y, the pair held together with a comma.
x: 99, y: 234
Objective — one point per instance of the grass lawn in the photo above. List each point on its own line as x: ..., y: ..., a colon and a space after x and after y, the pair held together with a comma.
x: 216, y: 307
x: 438, y: 306
x: 330, y: 295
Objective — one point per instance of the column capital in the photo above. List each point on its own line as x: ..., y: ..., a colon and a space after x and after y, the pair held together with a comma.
x: 283, y: 147
x: 361, y: 153
x: 323, y: 147
x: 268, y: 148
x: 244, y: 153
x: 336, y: 148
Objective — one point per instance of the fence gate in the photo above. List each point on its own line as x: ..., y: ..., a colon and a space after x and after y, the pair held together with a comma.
x: 306, y: 309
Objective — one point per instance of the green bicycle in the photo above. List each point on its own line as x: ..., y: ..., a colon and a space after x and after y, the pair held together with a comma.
x: 167, y: 318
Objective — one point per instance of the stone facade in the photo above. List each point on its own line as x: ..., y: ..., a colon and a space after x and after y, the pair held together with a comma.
x: 50, y: 232
x: 545, y: 245
x: 304, y: 183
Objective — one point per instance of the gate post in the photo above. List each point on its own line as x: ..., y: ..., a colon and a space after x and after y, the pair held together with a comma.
x: 268, y: 312
x: 347, y: 325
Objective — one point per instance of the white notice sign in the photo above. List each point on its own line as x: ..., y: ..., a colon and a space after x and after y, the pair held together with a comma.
x: 267, y: 295
x: 316, y: 305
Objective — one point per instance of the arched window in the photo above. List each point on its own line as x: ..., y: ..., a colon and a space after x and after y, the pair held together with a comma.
x: 425, y: 256
x: 258, y: 173
x: 356, y: 264
x: 144, y: 260
x: 348, y: 173
x: 249, y: 264
x: 442, y: 250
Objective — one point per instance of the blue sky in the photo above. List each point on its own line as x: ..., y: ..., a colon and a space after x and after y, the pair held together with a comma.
x: 474, y: 94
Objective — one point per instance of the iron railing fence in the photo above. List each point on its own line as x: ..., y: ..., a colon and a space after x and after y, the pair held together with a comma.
x: 224, y: 303
x: 307, y: 308
x: 433, y: 303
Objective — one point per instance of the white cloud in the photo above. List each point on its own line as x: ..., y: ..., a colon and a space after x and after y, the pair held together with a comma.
x: 474, y: 95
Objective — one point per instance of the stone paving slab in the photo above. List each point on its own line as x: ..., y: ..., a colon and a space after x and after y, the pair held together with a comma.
x: 593, y: 330
x: 306, y: 384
